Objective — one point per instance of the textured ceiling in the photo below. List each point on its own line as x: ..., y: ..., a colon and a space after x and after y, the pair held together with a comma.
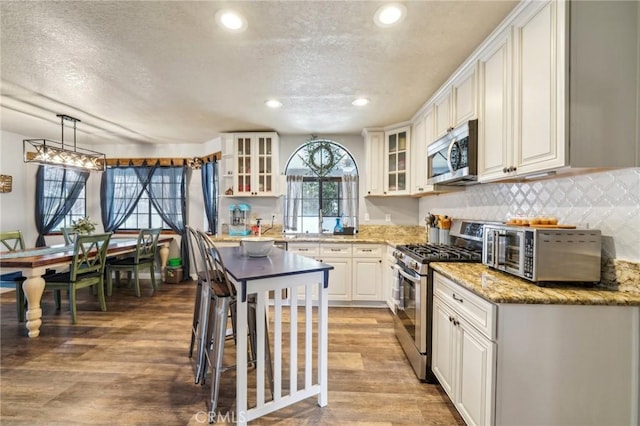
x: 164, y: 72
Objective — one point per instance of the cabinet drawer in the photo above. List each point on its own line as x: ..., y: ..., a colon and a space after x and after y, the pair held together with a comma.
x: 335, y: 250
x: 367, y: 250
x: 309, y: 250
x: 480, y: 313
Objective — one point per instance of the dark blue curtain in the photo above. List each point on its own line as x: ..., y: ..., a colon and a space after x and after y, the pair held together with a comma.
x: 55, y: 197
x: 167, y: 191
x: 210, y: 194
x: 120, y: 190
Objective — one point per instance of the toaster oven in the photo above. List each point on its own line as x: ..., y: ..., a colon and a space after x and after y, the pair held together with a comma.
x: 543, y: 254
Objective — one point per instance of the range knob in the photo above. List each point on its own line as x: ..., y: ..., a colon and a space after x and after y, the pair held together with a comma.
x: 414, y: 266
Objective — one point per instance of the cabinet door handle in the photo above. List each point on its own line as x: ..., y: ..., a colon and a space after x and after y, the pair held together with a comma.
x: 380, y: 261
x: 456, y: 322
x: 367, y: 250
x: 303, y: 249
x: 505, y: 170
x: 457, y: 298
x: 336, y: 249
x: 451, y: 318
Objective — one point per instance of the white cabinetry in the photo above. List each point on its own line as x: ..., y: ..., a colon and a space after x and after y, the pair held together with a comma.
x: 396, y: 161
x: 495, y: 109
x: 569, y: 107
x: 374, y: 151
x: 388, y: 277
x: 250, y: 164
x: 498, y: 363
x: 456, y: 104
x: 357, y: 273
x: 463, y: 349
x: 338, y: 256
x: 421, y: 135
x: 367, y: 272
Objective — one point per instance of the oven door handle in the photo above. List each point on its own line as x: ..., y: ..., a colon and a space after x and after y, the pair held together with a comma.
x: 411, y: 278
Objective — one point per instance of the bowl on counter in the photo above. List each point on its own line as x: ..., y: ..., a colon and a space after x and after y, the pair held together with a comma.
x: 257, y: 246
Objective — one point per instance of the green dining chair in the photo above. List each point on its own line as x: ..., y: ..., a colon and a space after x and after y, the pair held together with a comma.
x: 13, y: 241
x: 70, y: 235
x: 145, y: 257
x: 86, y: 270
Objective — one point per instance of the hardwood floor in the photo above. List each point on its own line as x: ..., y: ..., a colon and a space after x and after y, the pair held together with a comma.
x: 129, y: 366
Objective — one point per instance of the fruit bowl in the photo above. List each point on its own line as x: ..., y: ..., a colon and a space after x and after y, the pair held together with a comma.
x: 257, y: 246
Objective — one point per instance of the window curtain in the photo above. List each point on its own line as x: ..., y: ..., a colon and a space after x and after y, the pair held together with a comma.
x: 167, y: 191
x: 293, y: 202
x: 210, y: 186
x: 120, y: 190
x: 349, y: 189
x: 53, y: 202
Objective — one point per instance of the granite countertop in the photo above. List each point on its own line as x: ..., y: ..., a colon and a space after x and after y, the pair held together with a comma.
x: 368, y: 234
x: 504, y: 288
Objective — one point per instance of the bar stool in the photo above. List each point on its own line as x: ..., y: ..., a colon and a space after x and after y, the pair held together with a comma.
x: 215, y: 302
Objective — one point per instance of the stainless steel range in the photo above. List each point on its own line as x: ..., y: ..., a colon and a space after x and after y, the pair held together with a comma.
x: 413, y: 289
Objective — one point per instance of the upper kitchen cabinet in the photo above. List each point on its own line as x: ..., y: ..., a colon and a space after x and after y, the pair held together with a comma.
x: 574, y: 73
x: 494, y: 107
x: 374, y: 151
x: 388, y: 151
x: 396, y: 161
x: 456, y: 103
x: 250, y: 164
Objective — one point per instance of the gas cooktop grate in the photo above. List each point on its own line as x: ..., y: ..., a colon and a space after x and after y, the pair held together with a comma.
x: 437, y: 252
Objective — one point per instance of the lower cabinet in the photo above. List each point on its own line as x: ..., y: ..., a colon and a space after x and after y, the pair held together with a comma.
x: 535, y: 364
x: 357, y: 273
x: 463, y: 361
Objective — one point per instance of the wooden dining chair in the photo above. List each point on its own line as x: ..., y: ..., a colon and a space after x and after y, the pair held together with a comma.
x: 70, y: 235
x: 13, y: 241
x: 144, y: 257
x: 86, y: 270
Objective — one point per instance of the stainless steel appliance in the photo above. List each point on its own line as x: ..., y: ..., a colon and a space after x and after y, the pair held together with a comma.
x: 453, y: 159
x: 544, y: 254
x: 413, y: 281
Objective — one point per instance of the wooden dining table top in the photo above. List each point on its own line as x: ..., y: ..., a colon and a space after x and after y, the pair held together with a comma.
x: 33, y: 259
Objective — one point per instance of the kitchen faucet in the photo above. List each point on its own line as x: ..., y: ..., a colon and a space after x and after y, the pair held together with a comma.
x: 320, y: 221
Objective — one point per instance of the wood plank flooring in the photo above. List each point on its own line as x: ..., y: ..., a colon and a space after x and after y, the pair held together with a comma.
x: 129, y: 366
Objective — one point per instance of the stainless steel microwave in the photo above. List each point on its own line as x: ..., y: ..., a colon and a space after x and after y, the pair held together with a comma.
x: 453, y: 159
x: 543, y: 254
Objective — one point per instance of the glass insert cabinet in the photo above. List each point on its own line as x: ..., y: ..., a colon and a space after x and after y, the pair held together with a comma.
x: 396, y: 161
x: 250, y: 164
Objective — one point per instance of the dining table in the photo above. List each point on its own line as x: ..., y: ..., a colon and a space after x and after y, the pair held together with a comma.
x: 34, y: 262
x: 295, y: 289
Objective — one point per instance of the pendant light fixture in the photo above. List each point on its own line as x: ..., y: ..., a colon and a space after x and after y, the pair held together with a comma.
x: 53, y: 153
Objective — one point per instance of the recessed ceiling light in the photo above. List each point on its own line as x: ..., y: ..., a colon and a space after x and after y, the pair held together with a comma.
x: 273, y: 103
x: 360, y: 102
x: 231, y: 21
x: 390, y: 14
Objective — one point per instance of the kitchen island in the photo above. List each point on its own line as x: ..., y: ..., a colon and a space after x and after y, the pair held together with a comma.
x: 305, y: 282
x: 507, y: 351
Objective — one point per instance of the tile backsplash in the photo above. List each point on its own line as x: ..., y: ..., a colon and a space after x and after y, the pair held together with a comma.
x: 609, y: 201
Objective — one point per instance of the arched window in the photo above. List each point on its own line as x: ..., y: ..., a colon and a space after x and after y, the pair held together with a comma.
x: 322, y: 188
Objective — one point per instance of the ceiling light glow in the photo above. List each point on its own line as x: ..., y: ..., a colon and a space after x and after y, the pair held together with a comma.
x: 231, y: 20
x: 273, y: 103
x: 360, y: 102
x: 390, y: 14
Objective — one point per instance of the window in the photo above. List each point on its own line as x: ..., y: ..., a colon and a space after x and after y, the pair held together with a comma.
x: 144, y: 215
x: 321, y: 188
x: 58, y: 188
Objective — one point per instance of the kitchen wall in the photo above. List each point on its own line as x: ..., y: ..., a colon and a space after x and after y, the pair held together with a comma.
x: 609, y: 201
x: 403, y: 210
